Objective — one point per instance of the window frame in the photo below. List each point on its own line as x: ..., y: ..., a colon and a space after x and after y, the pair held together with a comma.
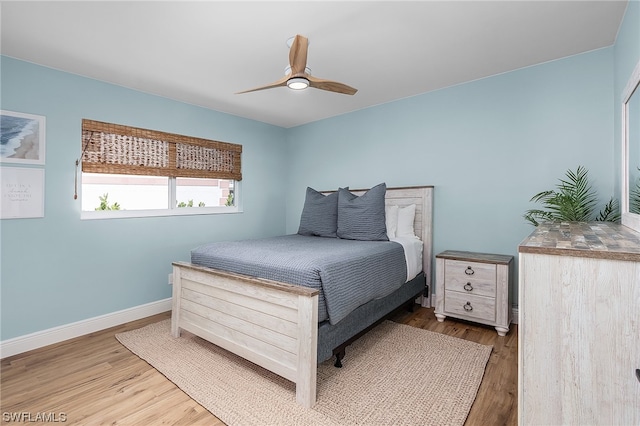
x: 171, y: 211
x: 125, y: 150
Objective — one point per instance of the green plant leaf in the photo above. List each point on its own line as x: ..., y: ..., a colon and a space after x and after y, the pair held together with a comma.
x: 574, y: 200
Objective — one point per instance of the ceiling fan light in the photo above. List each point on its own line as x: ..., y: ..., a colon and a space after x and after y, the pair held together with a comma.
x: 298, y: 83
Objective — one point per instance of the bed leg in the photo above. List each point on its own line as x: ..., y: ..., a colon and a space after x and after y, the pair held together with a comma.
x: 175, y: 329
x: 307, y: 368
x: 175, y: 302
x: 339, y: 356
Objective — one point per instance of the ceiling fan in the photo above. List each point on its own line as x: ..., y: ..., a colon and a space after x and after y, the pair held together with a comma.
x: 299, y: 77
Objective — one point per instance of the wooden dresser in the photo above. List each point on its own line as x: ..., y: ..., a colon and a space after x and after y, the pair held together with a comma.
x: 474, y: 287
x: 579, y: 325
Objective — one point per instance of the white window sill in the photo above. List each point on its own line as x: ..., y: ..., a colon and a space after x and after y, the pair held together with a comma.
x: 182, y: 211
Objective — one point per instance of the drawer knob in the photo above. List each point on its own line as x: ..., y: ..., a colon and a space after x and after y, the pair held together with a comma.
x: 467, y: 307
x: 469, y: 271
x: 638, y: 374
x: 468, y: 287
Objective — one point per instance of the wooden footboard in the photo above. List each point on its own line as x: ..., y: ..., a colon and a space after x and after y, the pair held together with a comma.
x: 272, y: 324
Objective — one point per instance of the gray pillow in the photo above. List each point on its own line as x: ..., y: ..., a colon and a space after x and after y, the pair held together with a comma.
x: 362, y: 217
x: 319, y: 214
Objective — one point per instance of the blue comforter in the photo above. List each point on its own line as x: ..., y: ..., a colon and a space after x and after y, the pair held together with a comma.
x: 347, y: 273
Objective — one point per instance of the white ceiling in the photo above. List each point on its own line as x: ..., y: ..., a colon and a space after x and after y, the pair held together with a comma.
x: 203, y: 52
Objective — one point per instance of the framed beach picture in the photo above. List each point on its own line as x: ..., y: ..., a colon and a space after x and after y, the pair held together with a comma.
x: 21, y: 192
x: 22, y: 138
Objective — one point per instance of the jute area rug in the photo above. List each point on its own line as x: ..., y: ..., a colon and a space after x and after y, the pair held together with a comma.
x: 394, y: 375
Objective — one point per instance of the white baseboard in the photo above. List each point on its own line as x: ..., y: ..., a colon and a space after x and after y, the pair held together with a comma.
x: 61, y: 333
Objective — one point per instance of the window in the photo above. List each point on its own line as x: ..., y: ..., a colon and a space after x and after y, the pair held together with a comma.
x: 131, y: 172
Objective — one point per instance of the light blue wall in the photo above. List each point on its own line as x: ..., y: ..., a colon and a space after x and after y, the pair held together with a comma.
x: 60, y: 269
x: 487, y: 147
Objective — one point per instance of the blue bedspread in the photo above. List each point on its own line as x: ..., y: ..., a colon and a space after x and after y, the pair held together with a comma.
x: 348, y: 273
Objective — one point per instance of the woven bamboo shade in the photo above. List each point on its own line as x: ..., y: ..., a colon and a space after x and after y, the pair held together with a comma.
x: 118, y: 149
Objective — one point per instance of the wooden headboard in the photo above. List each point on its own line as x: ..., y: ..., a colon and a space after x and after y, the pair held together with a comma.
x: 422, y: 197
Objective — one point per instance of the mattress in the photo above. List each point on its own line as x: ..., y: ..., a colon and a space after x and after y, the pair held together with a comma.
x: 412, y: 247
x: 347, y: 273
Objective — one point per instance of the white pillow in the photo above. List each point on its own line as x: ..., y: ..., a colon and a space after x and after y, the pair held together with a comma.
x: 406, y: 217
x: 391, y: 219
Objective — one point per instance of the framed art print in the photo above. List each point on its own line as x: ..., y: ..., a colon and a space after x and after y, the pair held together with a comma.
x: 22, y: 192
x: 22, y: 138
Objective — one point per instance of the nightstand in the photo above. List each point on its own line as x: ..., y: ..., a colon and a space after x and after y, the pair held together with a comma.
x: 474, y: 287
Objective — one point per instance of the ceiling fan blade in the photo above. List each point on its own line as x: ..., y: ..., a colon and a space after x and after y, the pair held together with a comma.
x: 298, y: 54
x: 279, y: 83
x: 331, y: 86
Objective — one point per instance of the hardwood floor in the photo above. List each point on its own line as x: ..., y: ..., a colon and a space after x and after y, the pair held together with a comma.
x: 93, y: 379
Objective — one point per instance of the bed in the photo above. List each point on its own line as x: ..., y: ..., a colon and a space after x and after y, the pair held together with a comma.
x: 278, y: 325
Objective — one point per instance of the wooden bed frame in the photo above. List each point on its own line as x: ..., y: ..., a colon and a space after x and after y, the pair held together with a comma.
x: 273, y: 324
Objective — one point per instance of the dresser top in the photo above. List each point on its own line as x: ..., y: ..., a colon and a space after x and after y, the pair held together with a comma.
x: 604, y: 240
x: 475, y: 257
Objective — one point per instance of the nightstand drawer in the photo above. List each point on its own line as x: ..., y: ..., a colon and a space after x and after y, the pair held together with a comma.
x: 469, y: 305
x: 470, y: 277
